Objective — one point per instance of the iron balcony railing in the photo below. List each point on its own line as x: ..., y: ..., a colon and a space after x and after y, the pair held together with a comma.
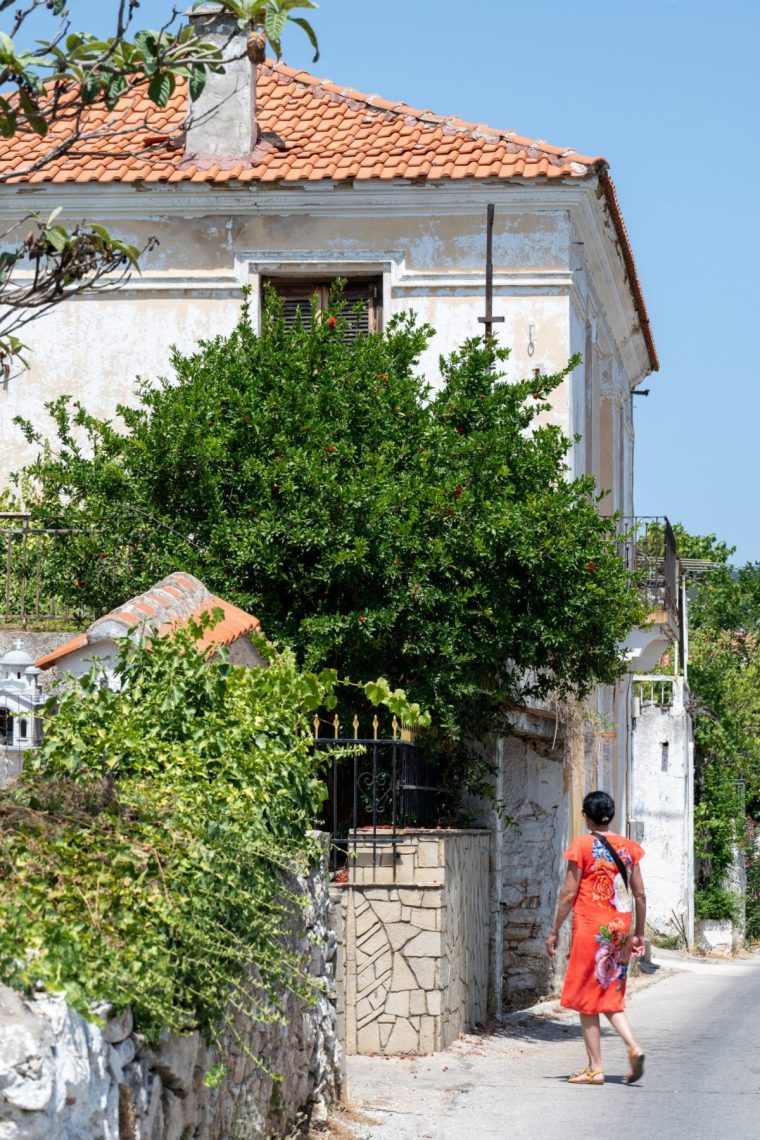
x: 35, y: 588
x: 654, y: 690
x: 651, y: 556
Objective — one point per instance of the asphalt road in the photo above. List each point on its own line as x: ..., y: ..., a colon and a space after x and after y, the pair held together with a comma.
x: 698, y: 1020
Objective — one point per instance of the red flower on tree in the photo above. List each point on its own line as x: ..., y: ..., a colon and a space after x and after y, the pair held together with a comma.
x: 331, y: 322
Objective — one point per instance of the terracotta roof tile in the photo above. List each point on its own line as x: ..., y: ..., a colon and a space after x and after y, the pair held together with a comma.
x: 78, y: 642
x: 314, y: 118
x: 322, y: 132
x: 171, y: 603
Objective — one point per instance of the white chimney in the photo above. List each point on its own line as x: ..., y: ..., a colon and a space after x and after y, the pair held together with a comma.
x: 221, y: 125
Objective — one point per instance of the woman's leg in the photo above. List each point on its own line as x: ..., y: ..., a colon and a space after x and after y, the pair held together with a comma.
x: 619, y: 1022
x: 592, y: 1039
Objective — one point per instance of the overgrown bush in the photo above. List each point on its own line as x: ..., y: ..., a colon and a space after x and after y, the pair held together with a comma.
x: 142, y: 852
x: 752, y: 867
x: 716, y: 903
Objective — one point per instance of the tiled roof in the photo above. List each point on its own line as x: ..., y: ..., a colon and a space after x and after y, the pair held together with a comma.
x: 308, y: 129
x: 171, y: 603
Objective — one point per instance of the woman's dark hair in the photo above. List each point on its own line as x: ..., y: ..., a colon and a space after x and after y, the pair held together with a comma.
x: 599, y: 807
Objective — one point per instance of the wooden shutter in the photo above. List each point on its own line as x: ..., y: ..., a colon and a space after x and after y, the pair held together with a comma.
x: 367, y: 319
x: 296, y: 302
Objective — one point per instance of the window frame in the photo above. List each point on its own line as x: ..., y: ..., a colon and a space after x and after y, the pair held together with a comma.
x: 303, y: 288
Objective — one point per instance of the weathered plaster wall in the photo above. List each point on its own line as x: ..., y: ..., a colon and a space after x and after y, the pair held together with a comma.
x: 662, y: 802
x: 432, y: 261
x: 414, y: 958
x: 62, y: 1078
x: 534, y: 784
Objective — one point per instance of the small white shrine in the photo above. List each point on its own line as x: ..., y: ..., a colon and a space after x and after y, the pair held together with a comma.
x: 20, y: 698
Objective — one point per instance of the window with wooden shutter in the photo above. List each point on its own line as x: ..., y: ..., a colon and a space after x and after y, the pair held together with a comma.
x: 296, y: 301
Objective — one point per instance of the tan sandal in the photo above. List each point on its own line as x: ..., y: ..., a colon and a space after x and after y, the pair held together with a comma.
x: 587, y: 1076
x: 636, y: 1072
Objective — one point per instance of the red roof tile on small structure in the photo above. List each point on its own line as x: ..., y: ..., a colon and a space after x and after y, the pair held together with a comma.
x: 173, y: 602
x: 310, y: 130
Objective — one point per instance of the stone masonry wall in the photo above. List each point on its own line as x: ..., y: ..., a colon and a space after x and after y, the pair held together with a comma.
x: 414, y: 968
x: 535, y: 797
x: 63, y: 1078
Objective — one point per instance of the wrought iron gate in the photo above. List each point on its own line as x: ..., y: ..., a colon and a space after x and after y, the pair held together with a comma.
x: 377, y: 787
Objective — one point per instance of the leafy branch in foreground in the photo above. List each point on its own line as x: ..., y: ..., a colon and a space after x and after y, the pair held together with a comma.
x: 68, y: 95
x: 147, y: 855
x: 58, y: 262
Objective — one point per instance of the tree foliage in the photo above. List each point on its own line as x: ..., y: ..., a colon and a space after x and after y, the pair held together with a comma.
x: 724, y: 678
x: 372, y: 524
x: 147, y: 853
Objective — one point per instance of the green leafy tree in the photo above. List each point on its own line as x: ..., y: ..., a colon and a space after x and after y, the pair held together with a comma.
x: 724, y: 678
x: 372, y: 524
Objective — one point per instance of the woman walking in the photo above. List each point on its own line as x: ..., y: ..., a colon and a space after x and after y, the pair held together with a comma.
x: 603, y: 875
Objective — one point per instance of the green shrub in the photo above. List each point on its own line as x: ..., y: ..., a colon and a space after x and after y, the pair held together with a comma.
x: 145, y: 854
x: 716, y: 903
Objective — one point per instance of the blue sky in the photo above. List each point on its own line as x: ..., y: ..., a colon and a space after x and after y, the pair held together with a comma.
x: 667, y: 92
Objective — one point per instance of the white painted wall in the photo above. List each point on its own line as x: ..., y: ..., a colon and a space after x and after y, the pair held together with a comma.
x: 558, y: 282
x: 661, y: 808
x: 428, y: 243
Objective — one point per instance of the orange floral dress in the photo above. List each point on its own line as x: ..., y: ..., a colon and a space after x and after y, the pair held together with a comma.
x: 600, y: 948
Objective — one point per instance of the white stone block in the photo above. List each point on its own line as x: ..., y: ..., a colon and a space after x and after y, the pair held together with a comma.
x: 418, y: 1002
x: 398, y: 1004
x: 368, y: 1038
x: 399, y: 933
x: 424, y: 972
x: 402, y: 977
x: 434, y: 1002
x: 387, y: 911
x: 429, y: 854
x: 426, y: 918
x: 411, y: 897
x: 426, y: 944
x: 403, y: 1039
x: 428, y: 1039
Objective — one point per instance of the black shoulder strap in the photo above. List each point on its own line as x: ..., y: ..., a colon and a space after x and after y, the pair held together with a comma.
x: 618, y: 861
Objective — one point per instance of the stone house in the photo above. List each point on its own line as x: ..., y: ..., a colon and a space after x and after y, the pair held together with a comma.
x: 279, y: 177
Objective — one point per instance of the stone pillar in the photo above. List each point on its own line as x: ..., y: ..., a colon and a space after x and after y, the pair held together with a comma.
x: 415, y: 944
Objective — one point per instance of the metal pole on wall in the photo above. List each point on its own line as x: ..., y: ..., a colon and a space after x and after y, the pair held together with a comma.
x: 489, y: 320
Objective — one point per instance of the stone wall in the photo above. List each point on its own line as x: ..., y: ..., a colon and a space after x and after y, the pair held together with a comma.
x: 63, y: 1078
x: 414, y: 968
x: 37, y: 643
x: 533, y: 787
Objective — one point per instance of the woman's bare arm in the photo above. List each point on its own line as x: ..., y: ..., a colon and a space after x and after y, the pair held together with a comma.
x: 565, y: 904
x: 639, y: 894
